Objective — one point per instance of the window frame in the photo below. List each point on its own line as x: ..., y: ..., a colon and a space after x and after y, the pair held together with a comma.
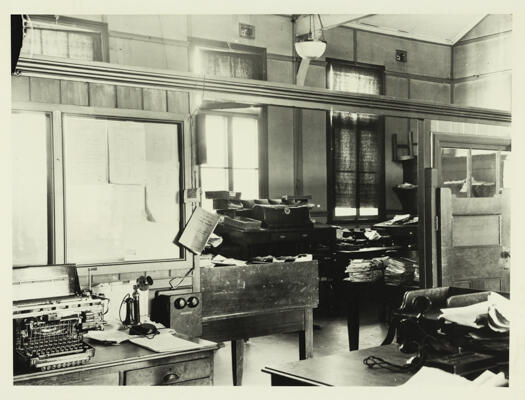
x: 468, y: 142
x: 330, y: 156
x: 56, y: 203
x: 262, y: 143
x: 76, y: 25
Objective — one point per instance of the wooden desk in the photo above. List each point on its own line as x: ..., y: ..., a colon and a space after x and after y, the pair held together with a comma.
x: 342, y: 369
x: 356, y: 291
x: 258, y: 300
x: 129, y: 364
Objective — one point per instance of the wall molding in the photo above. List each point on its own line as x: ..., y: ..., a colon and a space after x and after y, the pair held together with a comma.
x: 271, y: 93
x: 147, y: 38
x: 481, y: 76
x: 483, y: 38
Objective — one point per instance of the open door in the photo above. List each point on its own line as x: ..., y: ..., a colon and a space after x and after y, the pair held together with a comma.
x: 473, y: 211
x: 471, y: 234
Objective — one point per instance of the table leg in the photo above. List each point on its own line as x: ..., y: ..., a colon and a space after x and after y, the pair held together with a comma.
x: 352, y: 320
x: 306, y: 337
x: 237, y: 361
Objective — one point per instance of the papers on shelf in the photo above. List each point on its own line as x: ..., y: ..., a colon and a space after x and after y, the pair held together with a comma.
x: 495, y: 310
x: 365, y: 270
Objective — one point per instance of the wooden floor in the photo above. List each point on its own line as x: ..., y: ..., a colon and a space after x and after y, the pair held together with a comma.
x: 330, y: 336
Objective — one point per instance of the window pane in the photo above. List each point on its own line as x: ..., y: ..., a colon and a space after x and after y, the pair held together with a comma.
x: 246, y: 181
x: 121, y: 190
x: 345, y: 212
x: 245, y: 143
x: 345, y: 141
x: 345, y: 189
x: 483, y: 173
x: 216, y: 141
x: 213, y: 179
x: 355, y: 79
x: 29, y: 207
x: 454, y: 170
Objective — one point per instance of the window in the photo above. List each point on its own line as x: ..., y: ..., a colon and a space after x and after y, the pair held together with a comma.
x: 356, y: 147
x: 122, y: 181
x: 112, y: 193
x: 65, y: 37
x: 228, y: 60
x: 474, y: 171
x: 231, y: 157
x: 29, y: 140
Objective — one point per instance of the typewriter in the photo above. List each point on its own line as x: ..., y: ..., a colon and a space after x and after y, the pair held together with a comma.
x: 50, y: 315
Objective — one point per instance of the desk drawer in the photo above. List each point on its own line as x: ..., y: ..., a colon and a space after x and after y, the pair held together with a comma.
x: 170, y: 374
x: 76, y: 378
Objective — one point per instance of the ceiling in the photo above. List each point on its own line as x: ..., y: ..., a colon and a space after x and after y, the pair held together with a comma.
x: 436, y: 28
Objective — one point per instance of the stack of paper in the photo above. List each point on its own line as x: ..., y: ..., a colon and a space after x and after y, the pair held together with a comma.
x: 495, y: 311
x: 397, y: 271
x: 365, y: 270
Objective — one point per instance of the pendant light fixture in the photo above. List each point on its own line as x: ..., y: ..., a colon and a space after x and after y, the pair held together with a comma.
x: 311, y: 47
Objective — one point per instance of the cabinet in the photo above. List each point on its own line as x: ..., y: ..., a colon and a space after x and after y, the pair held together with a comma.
x: 128, y: 364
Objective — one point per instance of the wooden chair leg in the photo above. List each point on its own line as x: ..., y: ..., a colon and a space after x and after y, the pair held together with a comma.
x: 237, y: 361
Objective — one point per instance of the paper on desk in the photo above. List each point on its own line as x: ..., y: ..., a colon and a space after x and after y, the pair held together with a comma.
x: 436, y: 377
x: 164, y: 341
x: 496, y: 308
x: 109, y: 336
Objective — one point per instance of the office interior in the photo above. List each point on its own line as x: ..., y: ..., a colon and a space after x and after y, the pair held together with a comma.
x: 338, y: 176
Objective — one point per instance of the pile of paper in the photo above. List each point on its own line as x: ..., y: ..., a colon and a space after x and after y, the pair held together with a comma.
x: 397, y: 271
x: 494, y: 313
x: 365, y: 270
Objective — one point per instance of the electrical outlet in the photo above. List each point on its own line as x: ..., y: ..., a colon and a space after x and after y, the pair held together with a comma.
x: 401, y: 55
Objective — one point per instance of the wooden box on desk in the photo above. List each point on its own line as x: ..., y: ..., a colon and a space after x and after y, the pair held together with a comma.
x: 259, y: 299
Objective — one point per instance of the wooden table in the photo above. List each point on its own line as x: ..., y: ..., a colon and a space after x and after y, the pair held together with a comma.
x: 257, y: 300
x: 342, y: 369
x: 129, y: 364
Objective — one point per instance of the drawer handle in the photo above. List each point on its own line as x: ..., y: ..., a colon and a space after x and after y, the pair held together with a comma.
x: 170, y: 378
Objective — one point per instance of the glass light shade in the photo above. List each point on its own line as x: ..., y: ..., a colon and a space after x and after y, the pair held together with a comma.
x: 310, y: 48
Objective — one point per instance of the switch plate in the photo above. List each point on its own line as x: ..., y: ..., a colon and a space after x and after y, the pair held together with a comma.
x: 401, y: 55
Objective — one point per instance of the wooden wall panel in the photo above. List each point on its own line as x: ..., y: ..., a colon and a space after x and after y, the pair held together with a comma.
x: 178, y: 102
x: 316, y: 76
x: 73, y: 92
x: 423, y: 58
x: 396, y: 86
x: 483, y: 57
x: 478, y: 230
x: 279, y: 71
x: 280, y: 151
x: 430, y: 91
x: 177, y: 58
x: 129, y: 97
x: 491, y: 24
x: 101, y: 95
x: 45, y: 90
x: 394, y: 170
x: 491, y: 91
x: 155, y: 100
x: 20, y: 88
x: 314, y: 157
x: 340, y: 44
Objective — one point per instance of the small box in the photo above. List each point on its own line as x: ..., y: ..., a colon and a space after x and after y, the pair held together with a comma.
x: 180, y: 312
